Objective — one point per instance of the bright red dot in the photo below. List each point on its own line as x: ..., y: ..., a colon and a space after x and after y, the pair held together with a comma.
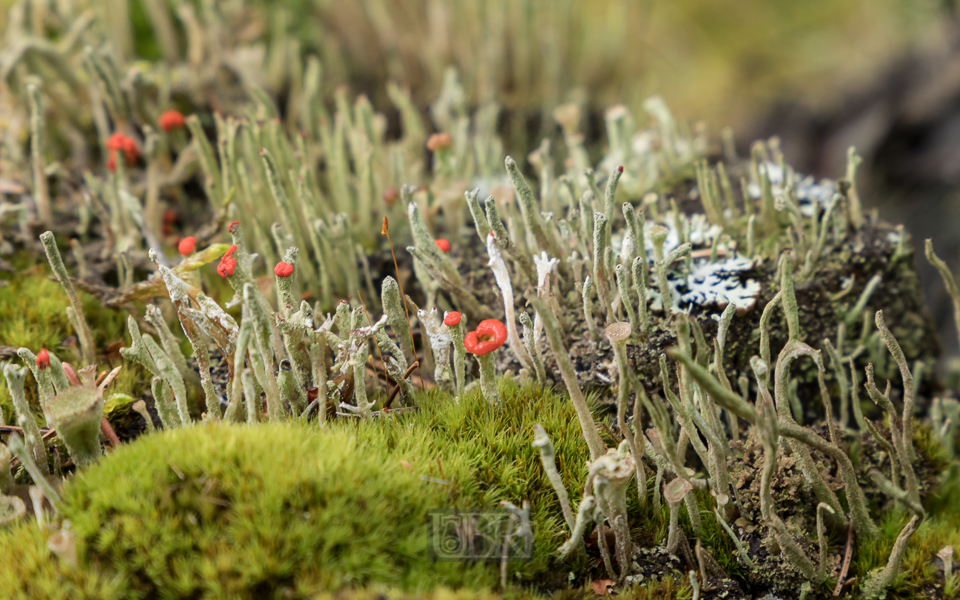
x: 283, y: 269
x: 187, y: 245
x: 227, y: 263
x: 170, y: 119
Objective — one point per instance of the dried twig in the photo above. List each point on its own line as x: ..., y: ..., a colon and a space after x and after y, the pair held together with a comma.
x: 847, y: 555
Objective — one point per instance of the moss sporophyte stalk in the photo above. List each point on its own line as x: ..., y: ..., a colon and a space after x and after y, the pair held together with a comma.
x: 690, y: 397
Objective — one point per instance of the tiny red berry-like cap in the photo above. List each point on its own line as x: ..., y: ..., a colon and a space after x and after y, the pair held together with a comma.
x: 444, y: 245
x: 227, y: 263
x: 390, y: 195
x: 439, y: 141
x: 131, y: 151
x: 620, y: 168
x: 43, y: 359
x: 283, y: 269
x: 116, y: 141
x: 122, y: 143
x: 187, y: 245
x: 232, y: 228
x: 451, y: 318
x: 489, y: 335
x: 170, y: 119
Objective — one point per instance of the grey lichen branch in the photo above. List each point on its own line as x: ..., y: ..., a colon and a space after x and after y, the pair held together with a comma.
x: 502, y: 277
x: 542, y: 442
x: 587, y: 512
x: 33, y: 441
x: 948, y: 280
x: 530, y: 342
x: 75, y: 311
x: 171, y: 376
x: 37, y: 472
x: 569, y: 375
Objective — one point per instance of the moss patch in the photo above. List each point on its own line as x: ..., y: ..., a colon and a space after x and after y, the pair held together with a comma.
x: 32, y: 315
x: 289, y: 509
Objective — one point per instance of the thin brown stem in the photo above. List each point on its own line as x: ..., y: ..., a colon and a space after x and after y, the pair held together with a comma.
x: 396, y: 390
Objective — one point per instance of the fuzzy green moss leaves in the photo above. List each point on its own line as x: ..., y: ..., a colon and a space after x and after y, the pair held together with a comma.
x: 249, y: 523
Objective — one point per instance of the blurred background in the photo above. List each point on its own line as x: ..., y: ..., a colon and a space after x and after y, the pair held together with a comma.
x: 883, y: 75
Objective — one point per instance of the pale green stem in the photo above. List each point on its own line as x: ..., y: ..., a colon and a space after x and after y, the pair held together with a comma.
x: 567, y: 371
x: 87, y: 349
x: 33, y: 467
x: 15, y: 379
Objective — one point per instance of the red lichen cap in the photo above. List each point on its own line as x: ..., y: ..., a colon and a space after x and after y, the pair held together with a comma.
x: 227, y: 263
x: 232, y: 227
x: 116, y: 141
x: 489, y: 335
x: 390, y: 195
x: 444, y: 245
x: 283, y: 269
x: 170, y: 119
x: 43, y: 359
x: 125, y: 144
x: 451, y: 318
x: 187, y: 245
x: 439, y: 141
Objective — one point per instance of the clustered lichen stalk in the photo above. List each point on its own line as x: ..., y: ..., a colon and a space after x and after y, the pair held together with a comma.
x: 773, y: 422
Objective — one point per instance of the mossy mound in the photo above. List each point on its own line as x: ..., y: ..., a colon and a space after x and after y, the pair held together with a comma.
x: 290, y: 510
x: 32, y: 315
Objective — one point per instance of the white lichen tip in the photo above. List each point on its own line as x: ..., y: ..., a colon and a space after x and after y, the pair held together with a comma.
x: 545, y: 266
x: 370, y: 330
x: 502, y: 277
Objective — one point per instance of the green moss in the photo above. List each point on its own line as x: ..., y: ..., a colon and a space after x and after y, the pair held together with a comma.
x: 32, y: 312
x: 940, y: 528
x: 32, y: 315
x: 668, y: 588
x: 237, y: 511
x: 31, y: 571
